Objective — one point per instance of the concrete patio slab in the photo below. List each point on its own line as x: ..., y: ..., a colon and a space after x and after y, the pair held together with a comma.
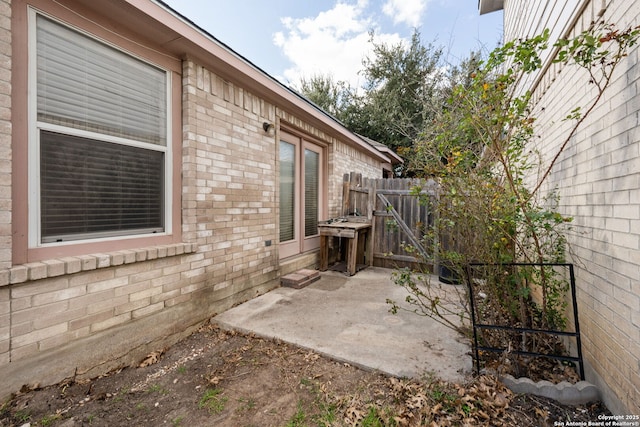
x: 348, y: 319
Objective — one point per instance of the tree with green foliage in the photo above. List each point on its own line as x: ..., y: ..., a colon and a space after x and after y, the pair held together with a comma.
x: 403, y: 90
x: 405, y: 87
x: 334, y: 97
x: 482, y: 151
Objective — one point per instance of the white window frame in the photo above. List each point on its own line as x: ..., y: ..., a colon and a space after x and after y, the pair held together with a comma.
x: 35, y: 127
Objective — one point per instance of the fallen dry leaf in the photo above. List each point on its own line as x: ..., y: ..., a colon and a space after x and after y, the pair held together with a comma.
x: 151, y: 358
x: 215, y: 380
x: 541, y: 413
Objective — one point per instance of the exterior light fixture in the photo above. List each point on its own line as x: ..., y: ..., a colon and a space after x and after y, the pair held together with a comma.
x: 267, y: 126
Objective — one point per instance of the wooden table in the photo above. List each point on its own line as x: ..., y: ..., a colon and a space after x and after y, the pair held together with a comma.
x: 357, y: 235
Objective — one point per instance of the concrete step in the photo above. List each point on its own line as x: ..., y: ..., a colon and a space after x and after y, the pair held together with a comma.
x: 299, y: 279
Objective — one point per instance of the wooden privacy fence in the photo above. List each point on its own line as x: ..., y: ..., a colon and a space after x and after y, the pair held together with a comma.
x: 399, y: 217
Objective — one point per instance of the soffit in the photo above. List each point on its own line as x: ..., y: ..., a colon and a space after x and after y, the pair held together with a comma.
x: 487, y: 6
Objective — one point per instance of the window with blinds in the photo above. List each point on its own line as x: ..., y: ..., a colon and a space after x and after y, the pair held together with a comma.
x: 85, y: 84
x: 287, y: 191
x: 101, y: 138
x: 92, y: 188
x: 311, y: 192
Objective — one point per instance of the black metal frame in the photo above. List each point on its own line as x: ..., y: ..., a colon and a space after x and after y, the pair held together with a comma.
x: 477, y: 325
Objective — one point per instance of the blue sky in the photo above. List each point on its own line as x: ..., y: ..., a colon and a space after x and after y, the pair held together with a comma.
x: 291, y: 39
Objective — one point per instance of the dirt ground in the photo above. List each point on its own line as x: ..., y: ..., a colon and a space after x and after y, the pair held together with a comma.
x: 224, y: 378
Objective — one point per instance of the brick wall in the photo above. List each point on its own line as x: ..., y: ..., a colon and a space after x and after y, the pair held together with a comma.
x: 228, y: 215
x: 229, y: 180
x: 101, y: 311
x: 5, y: 138
x: 5, y: 172
x: 48, y: 311
x: 598, y: 178
x: 346, y: 159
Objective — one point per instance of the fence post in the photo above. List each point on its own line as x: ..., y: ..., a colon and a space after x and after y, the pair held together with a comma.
x: 346, y: 187
x: 371, y: 206
x: 370, y: 184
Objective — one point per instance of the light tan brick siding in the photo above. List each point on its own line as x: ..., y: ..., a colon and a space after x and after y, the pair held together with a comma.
x: 128, y: 301
x: 48, y: 311
x: 99, y: 311
x: 5, y: 135
x: 598, y: 178
x: 5, y: 325
x: 345, y: 160
x: 229, y: 180
x: 5, y: 175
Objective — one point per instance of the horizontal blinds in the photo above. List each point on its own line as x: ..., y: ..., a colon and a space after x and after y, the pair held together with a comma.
x: 287, y: 191
x: 311, y: 192
x: 85, y: 84
x: 92, y: 188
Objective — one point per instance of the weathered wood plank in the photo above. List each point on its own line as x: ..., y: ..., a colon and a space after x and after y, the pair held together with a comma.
x: 413, y: 217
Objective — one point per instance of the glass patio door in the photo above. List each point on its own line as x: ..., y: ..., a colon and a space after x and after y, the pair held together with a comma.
x: 301, y: 194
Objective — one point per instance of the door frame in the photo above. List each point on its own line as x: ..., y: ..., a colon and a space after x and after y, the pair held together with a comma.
x: 301, y: 142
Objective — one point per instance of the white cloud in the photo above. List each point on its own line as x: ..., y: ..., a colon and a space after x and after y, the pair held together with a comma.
x: 405, y: 11
x: 334, y: 42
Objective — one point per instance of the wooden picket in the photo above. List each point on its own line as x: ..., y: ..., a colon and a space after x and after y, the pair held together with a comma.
x: 398, y: 217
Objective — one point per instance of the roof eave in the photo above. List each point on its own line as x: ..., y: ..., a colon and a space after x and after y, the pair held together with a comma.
x: 394, y: 158
x: 488, y: 6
